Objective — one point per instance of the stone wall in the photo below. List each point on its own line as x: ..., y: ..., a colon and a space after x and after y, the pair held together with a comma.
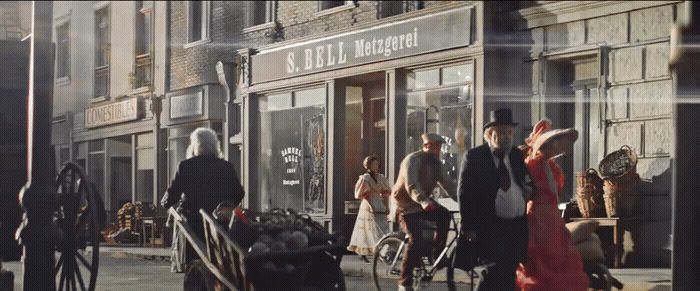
x: 637, y: 109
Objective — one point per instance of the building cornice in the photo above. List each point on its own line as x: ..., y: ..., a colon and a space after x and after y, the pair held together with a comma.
x: 403, y: 16
x: 553, y: 12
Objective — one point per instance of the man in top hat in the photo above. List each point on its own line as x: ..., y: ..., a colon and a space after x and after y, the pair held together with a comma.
x: 494, y: 187
x: 419, y: 174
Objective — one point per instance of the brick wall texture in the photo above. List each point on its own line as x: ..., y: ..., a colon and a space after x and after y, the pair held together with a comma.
x: 195, y: 66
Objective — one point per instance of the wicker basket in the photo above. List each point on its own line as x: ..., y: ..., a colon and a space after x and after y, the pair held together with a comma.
x: 585, y: 191
x: 618, y: 164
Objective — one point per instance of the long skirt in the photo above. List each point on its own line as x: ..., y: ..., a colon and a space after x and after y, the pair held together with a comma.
x: 369, y: 228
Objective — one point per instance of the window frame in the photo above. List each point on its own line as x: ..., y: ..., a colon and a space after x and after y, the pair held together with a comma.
x: 270, y: 16
x: 105, y: 68
x: 349, y: 4
x: 64, y: 79
x: 145, y: 59
x: 292, y: 95
x: 204, y: 25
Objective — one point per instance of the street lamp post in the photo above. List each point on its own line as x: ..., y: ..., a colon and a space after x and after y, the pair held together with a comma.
x: 37, y: 233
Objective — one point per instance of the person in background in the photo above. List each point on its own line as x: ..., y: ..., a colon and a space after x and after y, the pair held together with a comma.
x: 371, y: 224
x: 419, y: 174
x: 202, y: 181
x: 553, y: 262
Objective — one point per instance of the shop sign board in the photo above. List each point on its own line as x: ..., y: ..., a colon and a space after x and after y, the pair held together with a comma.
x: 116, y: 112
x: 424, y: 34
x: 186, y: 105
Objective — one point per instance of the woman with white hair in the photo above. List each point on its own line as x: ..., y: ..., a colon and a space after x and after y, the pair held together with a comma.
x: 202, y: 181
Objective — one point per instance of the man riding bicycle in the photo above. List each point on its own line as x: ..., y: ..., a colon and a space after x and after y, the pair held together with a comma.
x: 419, y: 174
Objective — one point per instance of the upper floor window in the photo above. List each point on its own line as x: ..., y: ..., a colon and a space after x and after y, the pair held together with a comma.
x: 329, y: 7
x: 102, y: 43
x: 261, y: 12
x: 391, y: 8
x: 63, y: 50
x: 197, y: 21
x: 143, y: 44
x: 332, y: 4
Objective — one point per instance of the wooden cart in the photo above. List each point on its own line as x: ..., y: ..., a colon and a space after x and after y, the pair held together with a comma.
x: 222, y: 264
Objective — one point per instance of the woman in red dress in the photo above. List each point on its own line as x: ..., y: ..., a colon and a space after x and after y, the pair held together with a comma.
x: 553, y: 263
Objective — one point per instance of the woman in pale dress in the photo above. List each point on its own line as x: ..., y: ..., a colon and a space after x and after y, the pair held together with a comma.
x: 371, y: 224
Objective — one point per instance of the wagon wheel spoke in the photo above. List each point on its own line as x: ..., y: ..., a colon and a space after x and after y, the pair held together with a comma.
x: 84, y: 261
x: 63, y: 277
x: 79, y: 275
x: 59, y: 264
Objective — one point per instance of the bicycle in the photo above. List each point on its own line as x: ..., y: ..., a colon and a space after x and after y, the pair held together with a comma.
x: 389, y: 252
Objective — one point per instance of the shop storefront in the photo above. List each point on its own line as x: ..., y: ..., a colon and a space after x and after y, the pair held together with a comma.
x: 314, y: 108
x: 116, y: 145
x: 186, y: 110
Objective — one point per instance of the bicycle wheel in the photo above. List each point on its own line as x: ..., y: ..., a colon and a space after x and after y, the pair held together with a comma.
x: 388, y: 254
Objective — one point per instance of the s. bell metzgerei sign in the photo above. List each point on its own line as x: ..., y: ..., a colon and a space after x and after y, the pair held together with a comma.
x: 433, y: 32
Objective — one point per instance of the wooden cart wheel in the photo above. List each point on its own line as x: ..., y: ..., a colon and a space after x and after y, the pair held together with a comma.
x: 77, y: 217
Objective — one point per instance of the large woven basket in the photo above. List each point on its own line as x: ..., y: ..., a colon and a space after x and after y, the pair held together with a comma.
x: 587, y: 184
x: 618, y: 164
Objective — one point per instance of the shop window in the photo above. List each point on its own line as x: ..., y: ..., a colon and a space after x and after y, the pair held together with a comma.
x: 102, y: 43
x: 197, y: 21
x: 260, y: 12
x: 96, y: 164
x: 63, y: 51
x: 143, y: 44
x: 291, y: 162
x: 443, y: 107
x: 423, y: 79
x: 145, y: 166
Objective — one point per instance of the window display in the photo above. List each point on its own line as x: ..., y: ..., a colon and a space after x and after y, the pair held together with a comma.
x: 291, y: 171
x: 445, y: 109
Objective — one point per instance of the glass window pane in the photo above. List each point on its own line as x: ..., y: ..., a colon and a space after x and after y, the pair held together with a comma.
x: 331, y: 4
x: 183, y: 131
x: 443, y: 113
x: 259, y: 12
x: 145, y: 139
x: 102, y: 38
x: 195, y: 20
x: 96, y: 145
x: 275, y: 102
x: 145, y: 159
x: 176, y: 153
x: 62, y: 50
x: 144, y: 186
x: 310, y: 97
x: 423, y: 79
x: 291, y: 167
x: 458, y: 74
x: 82, y: 150
x: 96, y: 171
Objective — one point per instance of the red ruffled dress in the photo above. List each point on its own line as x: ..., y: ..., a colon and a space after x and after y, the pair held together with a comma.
x: 553, y: 263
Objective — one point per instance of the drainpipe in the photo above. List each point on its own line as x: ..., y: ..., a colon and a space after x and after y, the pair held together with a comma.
x: 225, y: 73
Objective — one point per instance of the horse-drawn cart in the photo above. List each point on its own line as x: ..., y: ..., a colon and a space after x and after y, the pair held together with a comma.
x: 225, y: 262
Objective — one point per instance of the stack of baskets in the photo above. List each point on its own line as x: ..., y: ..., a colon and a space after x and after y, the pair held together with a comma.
x: 619, y: 173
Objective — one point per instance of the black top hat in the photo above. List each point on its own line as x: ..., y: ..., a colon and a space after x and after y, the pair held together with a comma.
x: 501, y: 116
